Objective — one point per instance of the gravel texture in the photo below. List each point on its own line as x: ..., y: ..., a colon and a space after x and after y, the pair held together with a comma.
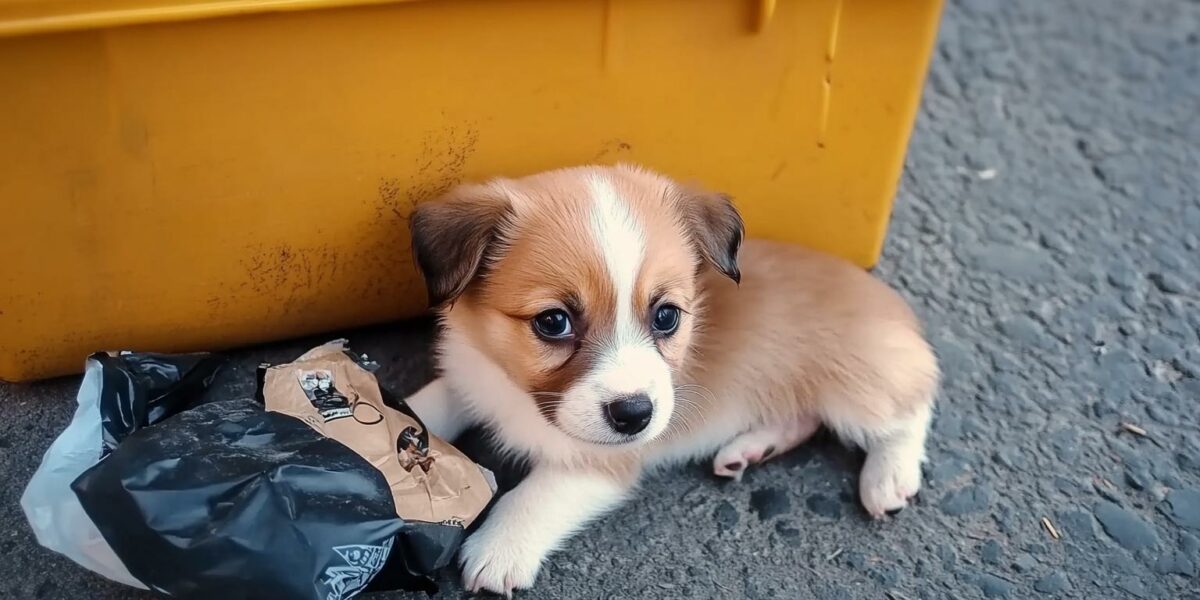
x: 1048, y: 231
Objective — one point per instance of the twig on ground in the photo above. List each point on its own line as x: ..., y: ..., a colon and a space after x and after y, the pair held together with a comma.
x: 1134, y: 429
x: 1050, y: 528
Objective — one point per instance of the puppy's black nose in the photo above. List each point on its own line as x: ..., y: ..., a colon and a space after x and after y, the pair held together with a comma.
x: 630, y: 414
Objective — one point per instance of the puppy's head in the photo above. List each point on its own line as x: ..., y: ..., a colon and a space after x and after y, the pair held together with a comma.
x: 581, y: 285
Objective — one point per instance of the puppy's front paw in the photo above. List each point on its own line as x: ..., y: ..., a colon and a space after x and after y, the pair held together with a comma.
x: 888, y: 480
x: 498, y: 563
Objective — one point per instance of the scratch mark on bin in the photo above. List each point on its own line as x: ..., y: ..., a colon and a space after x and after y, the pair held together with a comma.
x: 827, y: 81
x: 762, y: 15
x: 610, y: 28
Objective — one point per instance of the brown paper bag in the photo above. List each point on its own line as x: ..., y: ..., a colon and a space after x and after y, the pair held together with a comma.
x: 430, y: 480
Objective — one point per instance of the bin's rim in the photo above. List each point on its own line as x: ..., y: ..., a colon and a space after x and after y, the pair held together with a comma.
x: 32, y: 17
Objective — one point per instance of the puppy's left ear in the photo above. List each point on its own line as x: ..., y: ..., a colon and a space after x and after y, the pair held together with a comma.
x: 716, y: 229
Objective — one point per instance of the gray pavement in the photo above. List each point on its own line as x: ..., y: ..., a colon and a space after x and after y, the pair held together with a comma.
x: 1047, y: 232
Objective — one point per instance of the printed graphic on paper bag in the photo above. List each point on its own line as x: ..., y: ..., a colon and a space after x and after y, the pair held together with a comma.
x: 324, y: 395
x: 362, y: 563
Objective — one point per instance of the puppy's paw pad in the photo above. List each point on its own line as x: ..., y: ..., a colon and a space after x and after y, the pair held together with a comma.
x: 491, y: 565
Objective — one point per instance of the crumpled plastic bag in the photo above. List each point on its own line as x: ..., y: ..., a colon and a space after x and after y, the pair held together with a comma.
x: 310, y: 490
x: 119, y: 395
x: 230, y: 501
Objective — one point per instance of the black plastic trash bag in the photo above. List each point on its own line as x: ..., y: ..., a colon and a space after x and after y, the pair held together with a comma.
x: 230, y: 501
x: 119, y: 394
x: 310, y: 490
x: 139, y: 390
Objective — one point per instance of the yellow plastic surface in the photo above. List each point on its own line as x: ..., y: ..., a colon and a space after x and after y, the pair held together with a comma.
x: 187, y: 174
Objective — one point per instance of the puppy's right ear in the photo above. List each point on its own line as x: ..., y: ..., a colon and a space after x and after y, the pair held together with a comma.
x: 716, y: 229
x: 452, y: 235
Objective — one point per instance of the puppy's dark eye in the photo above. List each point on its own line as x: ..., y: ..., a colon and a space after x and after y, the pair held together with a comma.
x: 553, y: 324
x: 666, y: 319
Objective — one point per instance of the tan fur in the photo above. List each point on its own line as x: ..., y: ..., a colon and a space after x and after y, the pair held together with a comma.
x: 752, y: 370
x: 804, y: 333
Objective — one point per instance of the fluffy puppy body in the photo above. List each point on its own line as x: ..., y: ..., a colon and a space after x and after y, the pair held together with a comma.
x: 602, y: 320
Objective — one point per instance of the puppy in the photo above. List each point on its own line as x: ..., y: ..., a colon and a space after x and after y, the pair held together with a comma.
x: 599, y: 321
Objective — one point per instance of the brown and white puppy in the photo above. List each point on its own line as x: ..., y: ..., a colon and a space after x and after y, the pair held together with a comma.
x: 593, y: 321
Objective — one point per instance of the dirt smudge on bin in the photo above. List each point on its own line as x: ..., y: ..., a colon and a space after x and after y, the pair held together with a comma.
x: 612, y: 150
x: 438, y: 167
x: 297, y: 278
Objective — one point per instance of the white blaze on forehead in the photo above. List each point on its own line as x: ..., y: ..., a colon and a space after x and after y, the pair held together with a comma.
x: 622, y: 243
x: 630, y: 369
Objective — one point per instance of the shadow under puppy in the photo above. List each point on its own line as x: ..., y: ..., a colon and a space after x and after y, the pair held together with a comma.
x: 593, y: 321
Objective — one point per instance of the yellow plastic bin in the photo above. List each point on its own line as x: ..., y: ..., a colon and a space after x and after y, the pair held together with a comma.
x: 198, y: 174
